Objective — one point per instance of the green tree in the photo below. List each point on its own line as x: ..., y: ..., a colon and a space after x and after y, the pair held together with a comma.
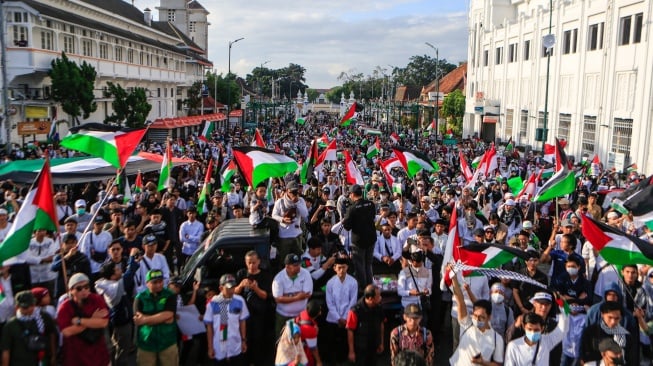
x: 131, y: 108
x: 453, y: 110
x: 72, y: 86
x: 421, y: 70
x: 194, y: 101
x: 335, y: 94
x: 312, y: 94
x: 219, y: 85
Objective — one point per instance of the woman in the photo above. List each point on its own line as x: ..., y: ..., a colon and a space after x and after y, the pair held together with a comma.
x: 290, y: 351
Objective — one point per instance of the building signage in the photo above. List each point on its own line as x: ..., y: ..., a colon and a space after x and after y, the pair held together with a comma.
x: 34, y: 128
x: 36, y: 112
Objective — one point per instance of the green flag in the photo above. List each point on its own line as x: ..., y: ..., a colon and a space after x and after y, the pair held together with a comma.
x: 516, y: 184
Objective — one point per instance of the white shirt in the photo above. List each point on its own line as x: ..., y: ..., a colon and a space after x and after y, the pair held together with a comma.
x: 340, y: 297
x: 343, y: 234
x: 158, y: 261
x: 36, y: 251
x: 95, y: 242
x: 518, y: 353
x: 472, y: 342
x: 405, y: 283
x: 607, y: 276
x: 404, y: 234
x: 282, y: 285
x: 231, y: 345
x: 479, y: 287
x: 7, y: 309
x: 4, y: 232
x: 387, y: 247
x: 439, y: 243
x: 293, y: 229
x: 190, y: 233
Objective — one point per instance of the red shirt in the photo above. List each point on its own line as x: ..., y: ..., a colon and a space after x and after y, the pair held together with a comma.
x: 75, y: 351
x: 308, y: 330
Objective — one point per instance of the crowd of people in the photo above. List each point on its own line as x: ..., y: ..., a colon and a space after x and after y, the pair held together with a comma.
x: 107, y: 287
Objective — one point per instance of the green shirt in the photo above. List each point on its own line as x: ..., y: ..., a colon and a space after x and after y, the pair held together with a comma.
x: 156, y: 338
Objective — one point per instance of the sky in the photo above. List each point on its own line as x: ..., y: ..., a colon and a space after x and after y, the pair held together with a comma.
x: 331, y: 37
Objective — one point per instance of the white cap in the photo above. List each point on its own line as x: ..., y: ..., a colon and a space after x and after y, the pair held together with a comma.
x: 508, y: 195
x: 510, y: 202
x: 527, y: 224
x: 80, y: 203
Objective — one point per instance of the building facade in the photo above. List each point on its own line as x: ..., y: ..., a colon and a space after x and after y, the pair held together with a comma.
x: 600, y: 76
x: 122, y: 43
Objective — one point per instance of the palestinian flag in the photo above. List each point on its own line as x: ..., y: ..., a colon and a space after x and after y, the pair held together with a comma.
x: 308, y: 167
x: 166, y: 169
x: 387, y: 167
x: 451, y: 250
x: 373, y: 131
x: 207, y: 131
x: 529, y: 188
x: 546, y: 173
x: 206, y: 190
x: 414, y: 161
x: 36, y: 212
x: 431, y: 126
x: 333, y: 132
x: 488, y: 255
x: 563, y: 181
x: 330, y: 154
x: 595, y: 167
x: 477, y: 161
x: 300, y: 121
x: 365, y: 142
x: 516, y: 184
x: 374, y: 149
x: 449, y: 134
x: 138, y: 185
x: 349, y: 116
x: 110, y: 143
x: 323, y: 141
x: 550, y: 151
x: 258, y: 139
x: 615, y: 246
x: 467, y: 172
x: 394, y: 138
x: 227, y: 175
x: 639, y: 200
x: 258, y: 164
x: 53, y: 135
x: 353, y: 174
x: 563, y: 306
x: 123, y: 186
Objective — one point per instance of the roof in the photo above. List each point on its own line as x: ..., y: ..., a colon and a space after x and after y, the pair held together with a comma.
x: 407, y: 93
x: 169, y: 123
x: 194, y: 5
x: 210, y: 103
x: 455, y: 80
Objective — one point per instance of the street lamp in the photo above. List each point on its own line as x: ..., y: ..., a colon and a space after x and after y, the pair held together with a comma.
x: 437, y: 87
x: 228, y: 76
x: 548, y: 41
x: 260, y: 90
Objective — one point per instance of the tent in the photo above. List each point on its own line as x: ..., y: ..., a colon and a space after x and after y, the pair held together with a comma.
x: 82, y: 169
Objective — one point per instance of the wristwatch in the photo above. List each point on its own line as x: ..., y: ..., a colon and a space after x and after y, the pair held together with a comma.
x: 78, y: 321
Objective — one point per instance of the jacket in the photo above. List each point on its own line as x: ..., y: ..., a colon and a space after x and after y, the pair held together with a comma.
x: 360, y: 220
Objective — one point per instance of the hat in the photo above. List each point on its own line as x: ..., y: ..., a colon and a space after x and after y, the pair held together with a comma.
x: 228, y: 280
x: 563, y: 201
x: 176, y: 280
x: 508, y: 195
x: 77, y: 278
x: 68, y: 237
x: 609, y: 344
x: 497, y: 286
x: 153, y: 274
x: 330, y: 203
x: 3, y: 211
x: 70, y: 219
x: 150, y: 239
x: 356, y: 189
x: 423, y: 232
x: 39, y: 293
x: 99, y: 219
x: 527, y: 224
x: 613, y: 215
x: 510, y: 202
x: 479, y: 232
x: 412, y: 311
x: 237, y: 206
x: 384, y: 205
x: 566, y: 223
x: 541, y: 296
x: 25, y: 299
x: 291, y: 259
x: 80, y: 203
x: 489, y: 228
x: 292, y: 186
x: 326, y: 190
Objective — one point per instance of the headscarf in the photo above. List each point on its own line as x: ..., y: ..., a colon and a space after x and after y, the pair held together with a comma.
x: 287, y: 349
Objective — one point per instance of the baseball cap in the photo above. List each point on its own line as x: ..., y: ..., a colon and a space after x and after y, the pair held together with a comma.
x: 68, y: 237
x: 25, y: 299
x: 412, y: 311
x: 39, y: 293
x: 99, y: 219
x: 228, y: 280
x: 563, y: 201
x: 154, y: 274
x: 80, y: 203
x: 77, y: 278
x: 488, y: 228
x: 541, y: 296
x: 527, y: 224
x: 510, y: 202
x: 292, y: 187
x: 613, y: 215
x: 356, y: 189
x: 176, y: 280
x: 326, y: 190
x: 3, y: 211
x: 609, y: 344
x: 291, y: 259
x: 567, y: 222
x: 70, y: 219
x: 330, y: 203
x: 149, y: 239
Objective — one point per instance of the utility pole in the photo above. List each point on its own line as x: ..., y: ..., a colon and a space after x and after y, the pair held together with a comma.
x: 437, y: 87
x: 3, y: 66
x: 229, y: 78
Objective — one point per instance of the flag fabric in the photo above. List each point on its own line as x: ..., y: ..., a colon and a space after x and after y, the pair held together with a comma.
x: 258, y: 164
x: 595, y: 166
x: 365, y: 142
x: 258, y: 141
x: 509, y: 145
x: 374, y: 149
x: 550, y: 151
x: 546, y: 173
x: 394, y: 138
x: 123, y: 186
x: 529, y: 188
x: 36, y: 212
x: 138, y: 185
x: 227, y: 175
x: 373, y: 131
x: 639, y: 201
x: 489, y: 163
x: 477, y: 161
x: 207, y: 131
x: 414, y: 161
x: 451, y: 250
x: 387, y: 167
x: 516, y: 184
x: 165, y: 180
x: 431, y: 126
x: 308, y: 167
x: 330, y: 154
x: 349, y: 116
x: 467, y: 172
x: 53, y: 135
x: 615, y: 246
x: 563, y: 306
x: 333, y: 132
x: 489, y: 255
x: 202, y: 206
x: 448, y: 134
x: 323, y: 141
x: 353, y: 174
x: 563, y: 181
x: 111, y: 143
x: 300, y: 121
x: 498, y: 273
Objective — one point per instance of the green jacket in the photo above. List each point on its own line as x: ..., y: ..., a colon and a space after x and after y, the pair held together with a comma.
x: 156, y: 338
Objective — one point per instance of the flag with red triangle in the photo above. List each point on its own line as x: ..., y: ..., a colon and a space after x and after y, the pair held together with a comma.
x: 464, y: 167
x: 394, y: 138
x: 258, y: 139
x: 353, y: 174
x: 138, y: 185
x: 387, y: 168
x: 202, y: 206
x: 349, y: 117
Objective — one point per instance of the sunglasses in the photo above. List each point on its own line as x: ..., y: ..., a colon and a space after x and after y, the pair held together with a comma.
x: 81, y: 287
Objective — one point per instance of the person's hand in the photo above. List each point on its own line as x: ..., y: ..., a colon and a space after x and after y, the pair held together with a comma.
x: 287, y: 220
x: 253, y: 284
x: 211, y: 353
x: 196, y: 286
x: 243, y: 346
x: 466, y: 286
x: 100, y: 313
x: 244, y: 283
x: 478, y: 359
x: 329, y: 263
x: 413, y: 292
x: 71, y: 252
x: 351, y: 356
x: 139, y: 318
x: 638, y: 313
x: 134, y: 252
x: 342, y: 323
x: 379, y: 349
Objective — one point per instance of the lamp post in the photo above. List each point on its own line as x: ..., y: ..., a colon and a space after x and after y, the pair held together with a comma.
x: 215, y: 91
x: 228, y: 78
x: 260, y: 90
x: 551, y: 42
x: 437, y: 87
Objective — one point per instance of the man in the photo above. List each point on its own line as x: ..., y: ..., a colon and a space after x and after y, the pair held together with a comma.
x: 130, y: 238
x: 319, y: 266
x: 574, y: 288
x: 190, y: 233
x: 154, y: 317
x: 631, y: 286
x: 387, y: 251
x: 149, y: 261
x: 409, y: 230
x: 593, y: 208
x: 365, y: 328
x: 289, y: 211
x: 61, y: 205
x: 360, y: 220
x: 255, y: 286
x: 415, y: 281
x: 75, y: 262
x: 611, y: 353
x: 331, y: 243
x: 94, y: 245
x: 83, y: 218
x: 291, y: 289
x: 173, y: 218
x: 468, y: 224
x: 341, y: 295
x: 558, y: 258
x: 534, y: 348
x: 523, y: 292
x: 82, y: 318
x: 411, y: 337
x: 479, y: 343
x: 39, y: 255
x: 609, y: 327
x: 226, y: 327
x: 159, y: 228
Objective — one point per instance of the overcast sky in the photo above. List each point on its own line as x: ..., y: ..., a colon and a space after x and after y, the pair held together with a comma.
x: 329, y: 37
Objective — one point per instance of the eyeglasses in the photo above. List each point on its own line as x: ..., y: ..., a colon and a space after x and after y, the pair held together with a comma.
x: 81, y: 287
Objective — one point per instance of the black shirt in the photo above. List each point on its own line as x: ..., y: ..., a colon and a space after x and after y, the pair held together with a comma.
x: 360, y: 220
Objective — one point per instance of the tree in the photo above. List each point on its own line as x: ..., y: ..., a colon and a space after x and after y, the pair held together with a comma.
x: 72, y: 86
x: 219, y: 85
x: 194, y: 100
x: 422, y: 70
x: 312, y: 94
x: 453, y: 109
x: 131, y: 108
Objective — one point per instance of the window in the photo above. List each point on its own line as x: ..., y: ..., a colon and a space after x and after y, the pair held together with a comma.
x: 498, y: 56
x: 158, y: 92
x: 512, y: 53
x: 46, y: 40
x: 595, y: 37
x: 130, y: 56
x: 486, y: 58
x: 564, y: 124
x: 87, y: 47
x: 622, y: 133
x: 624, y: 30
x: 540, y: 120
x: 141, y: 58
x: 509, y: 122
x: 527, y: 50
x: 68, y: 44
x: 569, y: 41
x: 104, y: 51
x: 192, y: 26
x: 547, y: 51
x: 20, y: 17
x: 637, y: 32
x: 118, y: 53
x: 589, y: 135
x: 171, y: 15
x: 20, y: 35
x: 523, y: 127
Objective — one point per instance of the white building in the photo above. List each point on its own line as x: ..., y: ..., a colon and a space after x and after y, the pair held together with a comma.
x: 122, y: 43
x: 600, y: 77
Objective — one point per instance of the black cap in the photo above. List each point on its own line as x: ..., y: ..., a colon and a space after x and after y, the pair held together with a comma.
x: 149, y: 239
x: 291, y: 259
x: 237, y: 206
x: 326, y: 190
x: 479, y: 232
x: 292, y: 187
x: 68, y: 237
x: 356, y: 189
x: 423, y: 232
x: 99, y: 219
x: 412, y: 311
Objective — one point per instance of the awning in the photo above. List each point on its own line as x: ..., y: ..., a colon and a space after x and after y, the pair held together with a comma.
x: 236, y: 113
x: 490, y: 119
x: 169, y: 123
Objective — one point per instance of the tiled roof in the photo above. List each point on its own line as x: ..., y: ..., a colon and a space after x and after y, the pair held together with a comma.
x: 407, y: 93
x: 450, y: 82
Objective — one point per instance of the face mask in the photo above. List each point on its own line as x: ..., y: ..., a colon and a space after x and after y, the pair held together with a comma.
x: 572, y: 271
x: 81, y: 211
x: 496, y: 298
x: 618, y: 361
x: 477, y: 323
x: 533, y: 336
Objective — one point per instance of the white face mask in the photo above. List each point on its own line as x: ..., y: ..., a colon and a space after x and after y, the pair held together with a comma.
x: 497, y: 298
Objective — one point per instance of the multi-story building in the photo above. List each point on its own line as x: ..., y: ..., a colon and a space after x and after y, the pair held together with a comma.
x: 599, y: 76
x: 122, y: 43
